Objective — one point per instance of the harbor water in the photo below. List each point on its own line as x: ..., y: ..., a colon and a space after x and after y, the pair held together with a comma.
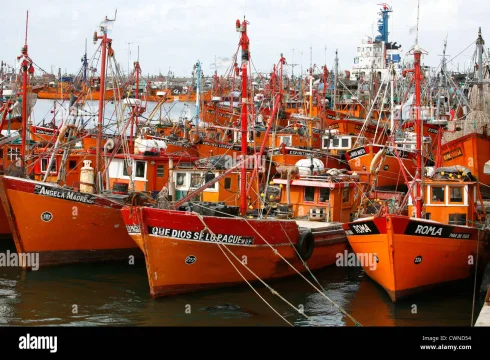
x: 117, y: 294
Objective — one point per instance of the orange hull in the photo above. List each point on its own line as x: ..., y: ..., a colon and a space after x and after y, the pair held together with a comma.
x: 471, y: 151
x: 349, y: 126
x: 176, y: 265
x: 169, y: 96
x: 57, y: 95
x: 414, y: 255
x: 330, y: 162
x: 62, y: 226
x: 390, y: 175
x: 210, y: 148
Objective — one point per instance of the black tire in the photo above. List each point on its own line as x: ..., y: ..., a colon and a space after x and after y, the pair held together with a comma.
x: 305, y: 245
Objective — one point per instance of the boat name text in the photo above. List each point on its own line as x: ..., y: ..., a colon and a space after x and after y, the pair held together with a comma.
x: 201, y: 236
x: 453, y: 154
x: 64, y: 194
x: 356, y: 153
x: 414, y: 228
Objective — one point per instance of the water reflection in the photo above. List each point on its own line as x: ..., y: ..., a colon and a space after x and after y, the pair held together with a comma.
x: 117, y: 294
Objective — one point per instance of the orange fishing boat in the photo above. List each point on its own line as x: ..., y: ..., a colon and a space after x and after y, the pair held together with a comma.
x: 64, y: 90
x: 188, y: 250
x: 414, y: 254
x: 46, y: 225
x: 443, y: 238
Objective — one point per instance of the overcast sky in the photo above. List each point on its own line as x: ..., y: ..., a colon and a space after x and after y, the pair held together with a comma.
x: 174, y: 34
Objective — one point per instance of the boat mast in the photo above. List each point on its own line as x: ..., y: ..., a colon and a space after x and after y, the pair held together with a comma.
x: 134, y: 118
x: 85, y: 64
x: 244, y: 42
x: 441, y: 80
x: 336, y: 73
x: 26, y: 66
x: 105, y: 41
x: 417, y: 52
x: 198, y: 91
x: 392, y: 88
x: 480, y: 42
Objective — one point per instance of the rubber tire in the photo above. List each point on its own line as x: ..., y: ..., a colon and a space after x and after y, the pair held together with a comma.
x: 305, y: 245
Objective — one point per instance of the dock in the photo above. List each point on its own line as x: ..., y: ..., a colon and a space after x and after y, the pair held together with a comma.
x: 484, y: 317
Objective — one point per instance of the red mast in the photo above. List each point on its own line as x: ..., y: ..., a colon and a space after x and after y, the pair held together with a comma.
x: 104, y: 44
x: 244, y: 42
x: 417, y: 52
x: 418, y: 131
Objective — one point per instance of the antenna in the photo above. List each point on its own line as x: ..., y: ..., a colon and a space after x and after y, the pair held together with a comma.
x: 311, y: 60
x: 417, y: 33
x: 416, y: 47
x: 27, y: 21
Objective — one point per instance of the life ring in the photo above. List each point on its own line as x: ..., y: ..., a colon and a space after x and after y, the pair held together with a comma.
x: 305, y: 245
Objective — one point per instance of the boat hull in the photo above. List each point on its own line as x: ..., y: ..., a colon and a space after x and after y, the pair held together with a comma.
x: 176, y: 264
x: 414, y: 255
x: 390, y: 175
x: 470, y: 151
x: 64, y: 226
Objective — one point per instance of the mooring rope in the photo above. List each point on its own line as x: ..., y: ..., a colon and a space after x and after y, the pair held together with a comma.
x: 274, y: 292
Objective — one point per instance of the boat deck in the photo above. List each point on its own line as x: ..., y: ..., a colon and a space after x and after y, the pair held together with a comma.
x: 318, y: 225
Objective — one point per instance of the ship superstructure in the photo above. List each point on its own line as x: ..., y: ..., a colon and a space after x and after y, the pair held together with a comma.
x: 374, y: 57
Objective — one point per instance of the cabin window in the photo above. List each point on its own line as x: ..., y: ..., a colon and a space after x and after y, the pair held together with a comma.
x: 195, y: 180
x: 286, y: 140
x: 227, y: 183
x: 13, y: 154
x: 140, y: 169
x: 72, y: 164
x: 335, y: 142
x: 309, y: 194
x: 160, y: 170
x: 345, y: 142
x: 457, y: 219
x: 209, y: 177
x: 345, y: 195
x: 324, y: 195
x: 180, y: 179
x: 45, y: 164
x: 438, y: 195
x: 456, y: 194
x: 427, y: 216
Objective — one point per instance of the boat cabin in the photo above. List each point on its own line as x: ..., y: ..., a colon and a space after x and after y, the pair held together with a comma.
x: 226, y: 190
x: 150, y: 173
x: 326, y: 197
x: 451, y: 198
